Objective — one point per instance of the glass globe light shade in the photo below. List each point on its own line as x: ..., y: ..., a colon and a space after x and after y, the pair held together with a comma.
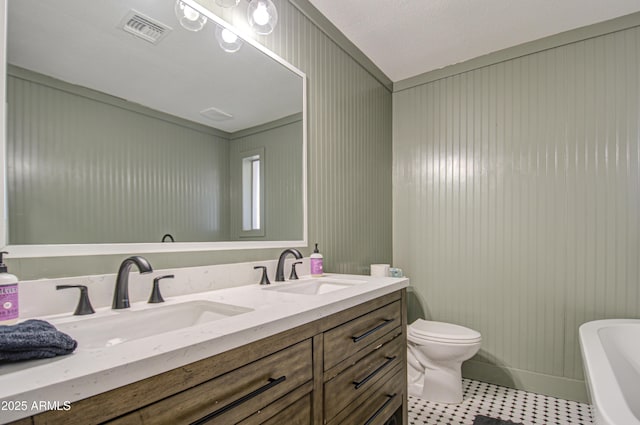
x: 227, y: 3
x: 228, y: 40
x: 262, y: 16
x: 189, y: 18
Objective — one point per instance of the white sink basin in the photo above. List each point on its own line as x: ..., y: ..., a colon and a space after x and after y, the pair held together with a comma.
x: 315, y: 286
x: 119, y: 326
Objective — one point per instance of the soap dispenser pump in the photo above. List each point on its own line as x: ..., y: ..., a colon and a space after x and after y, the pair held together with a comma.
x: 316, y: 263
x: 8, y: 295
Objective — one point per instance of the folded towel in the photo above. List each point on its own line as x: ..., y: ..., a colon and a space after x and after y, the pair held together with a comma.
x: 33, y: 339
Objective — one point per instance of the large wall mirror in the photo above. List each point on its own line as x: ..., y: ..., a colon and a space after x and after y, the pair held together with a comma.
x: 126, y: 132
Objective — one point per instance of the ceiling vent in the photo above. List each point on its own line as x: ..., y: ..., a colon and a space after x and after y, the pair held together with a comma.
x: 144, y: 27
x: 216, y: 114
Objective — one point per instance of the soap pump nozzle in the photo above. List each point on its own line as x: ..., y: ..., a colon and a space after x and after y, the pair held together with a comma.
x: 3, y: 266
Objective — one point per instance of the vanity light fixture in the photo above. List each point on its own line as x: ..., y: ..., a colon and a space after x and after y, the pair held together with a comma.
x: 262, y: 16
x: 227, y: 39
x: 227, y: 3
x: 189, y: 18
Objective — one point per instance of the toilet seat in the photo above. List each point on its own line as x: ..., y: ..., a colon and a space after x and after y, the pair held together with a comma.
x: 443, y: 332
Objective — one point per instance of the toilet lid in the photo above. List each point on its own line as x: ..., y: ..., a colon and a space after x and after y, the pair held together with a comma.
x: 443, y: 332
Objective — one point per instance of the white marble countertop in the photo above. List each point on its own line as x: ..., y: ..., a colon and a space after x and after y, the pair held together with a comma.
x: 26, y: 387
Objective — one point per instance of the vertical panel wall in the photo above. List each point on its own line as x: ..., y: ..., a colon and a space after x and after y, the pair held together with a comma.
x: 139, y: 183
x: 349, y: 155
x: 282, y: 184
x: 349, y: 161
x: 516, y: 203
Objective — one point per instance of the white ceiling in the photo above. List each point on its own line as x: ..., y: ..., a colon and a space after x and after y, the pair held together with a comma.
x: 405, y: 38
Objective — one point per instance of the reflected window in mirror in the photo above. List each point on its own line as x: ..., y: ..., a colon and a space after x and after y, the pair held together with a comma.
x: 252, y: 193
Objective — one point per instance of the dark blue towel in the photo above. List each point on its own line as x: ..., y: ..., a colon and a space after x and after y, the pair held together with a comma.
x: 33, y: 339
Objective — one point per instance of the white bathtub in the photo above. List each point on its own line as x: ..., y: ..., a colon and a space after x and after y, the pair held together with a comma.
x: 611, y: 354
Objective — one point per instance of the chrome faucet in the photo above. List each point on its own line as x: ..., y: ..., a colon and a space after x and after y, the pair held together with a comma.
x: 121, y: 292
x: 280, y: 269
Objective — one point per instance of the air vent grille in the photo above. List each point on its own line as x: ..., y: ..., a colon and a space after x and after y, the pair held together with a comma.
x: 216, y: 114
x: 144, y: 27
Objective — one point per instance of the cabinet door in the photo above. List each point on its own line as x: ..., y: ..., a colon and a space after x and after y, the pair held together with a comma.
x: 299, y: 413
x: 377, y: 405
x: 233, y: 396
x: 294, y: 409
x: 347, y: 339
x: 377, y: 366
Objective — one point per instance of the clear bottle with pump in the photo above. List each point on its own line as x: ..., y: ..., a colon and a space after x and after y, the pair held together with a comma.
x: 8, y: 295
x: 316, y: 263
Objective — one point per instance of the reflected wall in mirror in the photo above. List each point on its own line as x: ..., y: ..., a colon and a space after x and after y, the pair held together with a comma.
x: 116, y: 139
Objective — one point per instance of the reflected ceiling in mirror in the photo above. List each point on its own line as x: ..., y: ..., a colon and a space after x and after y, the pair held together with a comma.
x: 115, y: 139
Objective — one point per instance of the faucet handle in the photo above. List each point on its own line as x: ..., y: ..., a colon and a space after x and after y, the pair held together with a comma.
x: 84, y: 305
x: 294, y: 275
x: 156, y: 296
x: 265, y: 279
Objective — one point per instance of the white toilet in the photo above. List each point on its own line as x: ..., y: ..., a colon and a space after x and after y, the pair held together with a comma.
x: 435, y: 354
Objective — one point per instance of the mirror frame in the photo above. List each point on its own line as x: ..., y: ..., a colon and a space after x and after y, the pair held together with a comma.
x: 60, y: 250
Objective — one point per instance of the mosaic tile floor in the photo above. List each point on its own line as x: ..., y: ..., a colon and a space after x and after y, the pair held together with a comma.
x: 504, y: 403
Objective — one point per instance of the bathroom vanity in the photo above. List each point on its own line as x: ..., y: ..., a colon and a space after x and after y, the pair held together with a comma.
x: 300, y: 358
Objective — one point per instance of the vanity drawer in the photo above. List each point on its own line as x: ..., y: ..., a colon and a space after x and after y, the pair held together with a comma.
x: 296, y: 412
x: 375, y: 367
x: 347, y: 339
x: 235, y: 395
x: 376, y: 406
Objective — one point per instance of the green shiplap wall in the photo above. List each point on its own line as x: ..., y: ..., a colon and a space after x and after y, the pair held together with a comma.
x: 349, y: 152
x: 517, y: 203
x: 349, y: 162
x: 136, y: 180
x: 282, y: 166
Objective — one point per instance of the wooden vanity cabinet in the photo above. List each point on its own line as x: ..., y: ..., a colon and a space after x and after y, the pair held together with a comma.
x: 230, y: 398
x: 348, y: 368
x: 365, y: 367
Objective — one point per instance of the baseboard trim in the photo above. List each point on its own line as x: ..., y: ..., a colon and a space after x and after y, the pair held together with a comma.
x: 554, y: 386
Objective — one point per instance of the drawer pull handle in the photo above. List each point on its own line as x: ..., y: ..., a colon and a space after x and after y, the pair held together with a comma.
x: 360, y: 383
x: 390, y: 397
x: 370, y: 331
x: 272, y: 383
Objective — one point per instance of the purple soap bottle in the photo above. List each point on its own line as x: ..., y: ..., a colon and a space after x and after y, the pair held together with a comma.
x: 8, y: 295
x: 316, y: 263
